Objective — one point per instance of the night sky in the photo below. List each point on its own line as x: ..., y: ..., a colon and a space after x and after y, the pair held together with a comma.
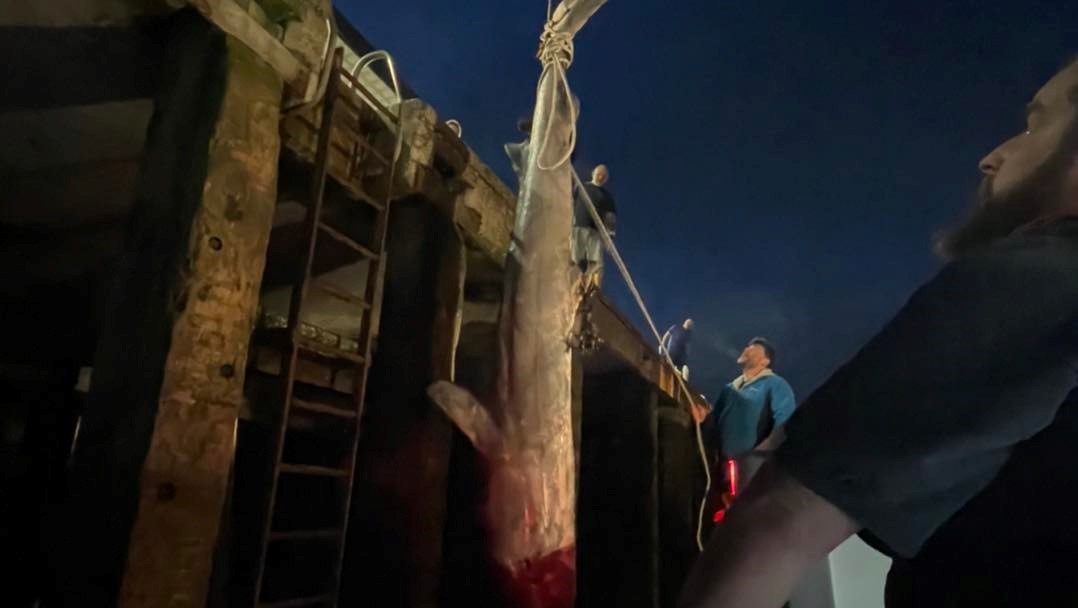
x: 779, y: 167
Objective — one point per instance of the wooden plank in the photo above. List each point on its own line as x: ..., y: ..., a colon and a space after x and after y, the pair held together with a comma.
x: 310, y: 469
x: 236, y: 22
x: 61, y: 139
x: 62, y: 67
x: 340, y: 237
x: 70, y: 196
x: 340, y: 293
x: 66, y: 14
x: 192, y: 448
x: 484, y: 211
x: 300, y: 602
x: 149, y: 476
x: 299, y: 136
x: 404, y: 515
x: 294, y: 535
x: 321, y: 408
x: 618, y: 492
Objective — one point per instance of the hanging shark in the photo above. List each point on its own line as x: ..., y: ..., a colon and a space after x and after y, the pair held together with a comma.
x: 524, y: 430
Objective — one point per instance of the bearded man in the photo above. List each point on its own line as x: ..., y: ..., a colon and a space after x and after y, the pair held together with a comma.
x: 950, y: 441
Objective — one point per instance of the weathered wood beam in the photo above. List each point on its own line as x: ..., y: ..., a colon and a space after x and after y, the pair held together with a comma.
x: 484, y: 210
x: 61, y: 138
x: 66, y: 14
x: 186, y: 472
x: 394, y: 550
x: 239, y: 23
x: 57, y: 257
x: 70, y: 66
x: 681, y: 486
x: 156, y: 445
x: 619, y: 492
x: 417, y: 154
x: 70, y: 194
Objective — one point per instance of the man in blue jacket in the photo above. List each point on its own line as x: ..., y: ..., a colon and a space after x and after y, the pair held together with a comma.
x: 748, y: 411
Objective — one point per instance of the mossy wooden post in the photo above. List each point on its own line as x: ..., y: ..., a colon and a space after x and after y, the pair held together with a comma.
x: 152, y: 466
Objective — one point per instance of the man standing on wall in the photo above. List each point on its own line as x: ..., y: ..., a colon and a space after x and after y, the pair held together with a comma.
x: 587, y: 244
x: 676, y: 343
x: 949, y: 440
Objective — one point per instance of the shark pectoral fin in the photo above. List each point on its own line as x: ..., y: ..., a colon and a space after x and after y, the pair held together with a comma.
x: 470, y: 416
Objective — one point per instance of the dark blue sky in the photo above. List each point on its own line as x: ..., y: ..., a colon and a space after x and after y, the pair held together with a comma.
x: 779, y: 167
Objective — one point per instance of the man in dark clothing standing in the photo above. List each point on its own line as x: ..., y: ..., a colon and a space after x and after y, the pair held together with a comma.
x: 676, y: 343
x: 587, y: 245
x: 949, y: 440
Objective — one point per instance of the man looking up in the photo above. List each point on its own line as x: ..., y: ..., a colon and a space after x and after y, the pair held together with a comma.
x: 949, y: 440
x: 748, y: 410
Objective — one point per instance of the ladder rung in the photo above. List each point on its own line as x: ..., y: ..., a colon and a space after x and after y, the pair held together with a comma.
x: 346, y: 85
x: 347, y: 241
x: 361, y: 195
x: 340, y: 293
x: 267, y: 376
x: 343, y: 149
x: 303, y: 120
x: 283, y: 337
x: 286, y: 535
x: 327, y: 352
x: 361, y: 141
x: 375, y: 153
x: 356, y: 135
x: 299, y: 602
x: 346, y: 95
x: 352, y: 188
x: 310, y: 469
x: 322, y: 408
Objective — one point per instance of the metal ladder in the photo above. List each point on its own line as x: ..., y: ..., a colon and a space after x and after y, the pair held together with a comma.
x: 306, y: 521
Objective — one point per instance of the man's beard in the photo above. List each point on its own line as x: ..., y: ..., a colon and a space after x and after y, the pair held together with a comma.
x: 996, y: 216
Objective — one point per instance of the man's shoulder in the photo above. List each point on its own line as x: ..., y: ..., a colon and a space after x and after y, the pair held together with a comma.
x: 599, y: 192
x: 778, y: 382
x: 1051, y: 245
x: 1037, y: 264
